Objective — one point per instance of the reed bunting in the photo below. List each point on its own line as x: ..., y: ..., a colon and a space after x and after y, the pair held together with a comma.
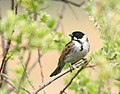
x: 74, y: 51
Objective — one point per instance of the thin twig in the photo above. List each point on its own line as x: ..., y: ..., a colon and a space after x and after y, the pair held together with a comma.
x: 9, y: 81
x: 12, y: 4
x: 117, y: 79
x: 83, y: 66
x: 60, y: 18
x: 58, y: 76
x: 41, y: 69
x: 24, y: 73
x: 91, y: 66
x: 69, y: 3
x: 62, y: 27
x: 100, y: 87
x: 73, y: 12
x: 63, y: 9
x: 4, y: 60
x: 72, y: 3
x: 28, y: 60
x: 16, y: 9
x: 35, y: 16
x: 3, y: 49
x: 15, y: 86
x: 2, y: 37
x: 32, y: 66
x: 3, y: 43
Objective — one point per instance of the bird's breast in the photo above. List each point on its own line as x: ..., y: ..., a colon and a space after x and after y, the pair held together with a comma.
x: 77, y: 53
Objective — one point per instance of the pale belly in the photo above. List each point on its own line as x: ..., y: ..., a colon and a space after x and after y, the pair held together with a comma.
x: 76, y: 54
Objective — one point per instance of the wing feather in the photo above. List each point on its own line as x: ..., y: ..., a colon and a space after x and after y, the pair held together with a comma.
x: 66, y: 51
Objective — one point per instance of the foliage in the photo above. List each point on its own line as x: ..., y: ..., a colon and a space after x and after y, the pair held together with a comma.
x: 34, y: 29
x: 82, y: 84
x: 29, y: 30
x: 31, y: 33
x: 106, y: 16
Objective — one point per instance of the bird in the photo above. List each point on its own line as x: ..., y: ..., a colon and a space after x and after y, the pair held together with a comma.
x: 74, y: 51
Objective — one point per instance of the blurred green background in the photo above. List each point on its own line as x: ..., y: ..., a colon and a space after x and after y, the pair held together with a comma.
x: 98, y: 19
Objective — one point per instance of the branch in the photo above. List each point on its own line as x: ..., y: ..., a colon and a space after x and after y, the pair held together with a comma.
x: 32, y: 66
x: 72, y: 3
x: 73, y: 11
x: 100, y: 87
x: 60, y: 18
x: 12, y: 4
x: 16, y: 9
x: 60, y: 75
x: 4, y: 60
x: 41, y: 69
x: 3, y: 41
x: 8, y: 80
x: 15, y: 86
x: 2, y: 37
x: 83, y: 67
x: 69, y: 3
x: 24, y: 73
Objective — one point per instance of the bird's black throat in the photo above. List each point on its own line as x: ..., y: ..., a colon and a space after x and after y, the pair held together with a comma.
x: 81, y: 44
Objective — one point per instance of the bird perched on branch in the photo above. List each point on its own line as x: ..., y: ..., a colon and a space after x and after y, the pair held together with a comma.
x: 74, y: 51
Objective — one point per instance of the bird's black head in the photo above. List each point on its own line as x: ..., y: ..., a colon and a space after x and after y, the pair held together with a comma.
x: 77, y: 35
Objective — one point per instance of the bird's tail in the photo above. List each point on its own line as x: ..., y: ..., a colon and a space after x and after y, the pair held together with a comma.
x: 58, y: 69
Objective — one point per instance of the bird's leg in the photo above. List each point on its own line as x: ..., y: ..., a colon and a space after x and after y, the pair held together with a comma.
x: 79, y: 62
x: 71, y: 67
x: 84, y: 59
x: 71, y: 64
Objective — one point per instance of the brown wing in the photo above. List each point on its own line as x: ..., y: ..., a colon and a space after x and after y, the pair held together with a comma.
x: 66, y: 51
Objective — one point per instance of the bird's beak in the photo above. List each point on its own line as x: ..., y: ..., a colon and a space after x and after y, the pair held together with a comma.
x: 71, y: 35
